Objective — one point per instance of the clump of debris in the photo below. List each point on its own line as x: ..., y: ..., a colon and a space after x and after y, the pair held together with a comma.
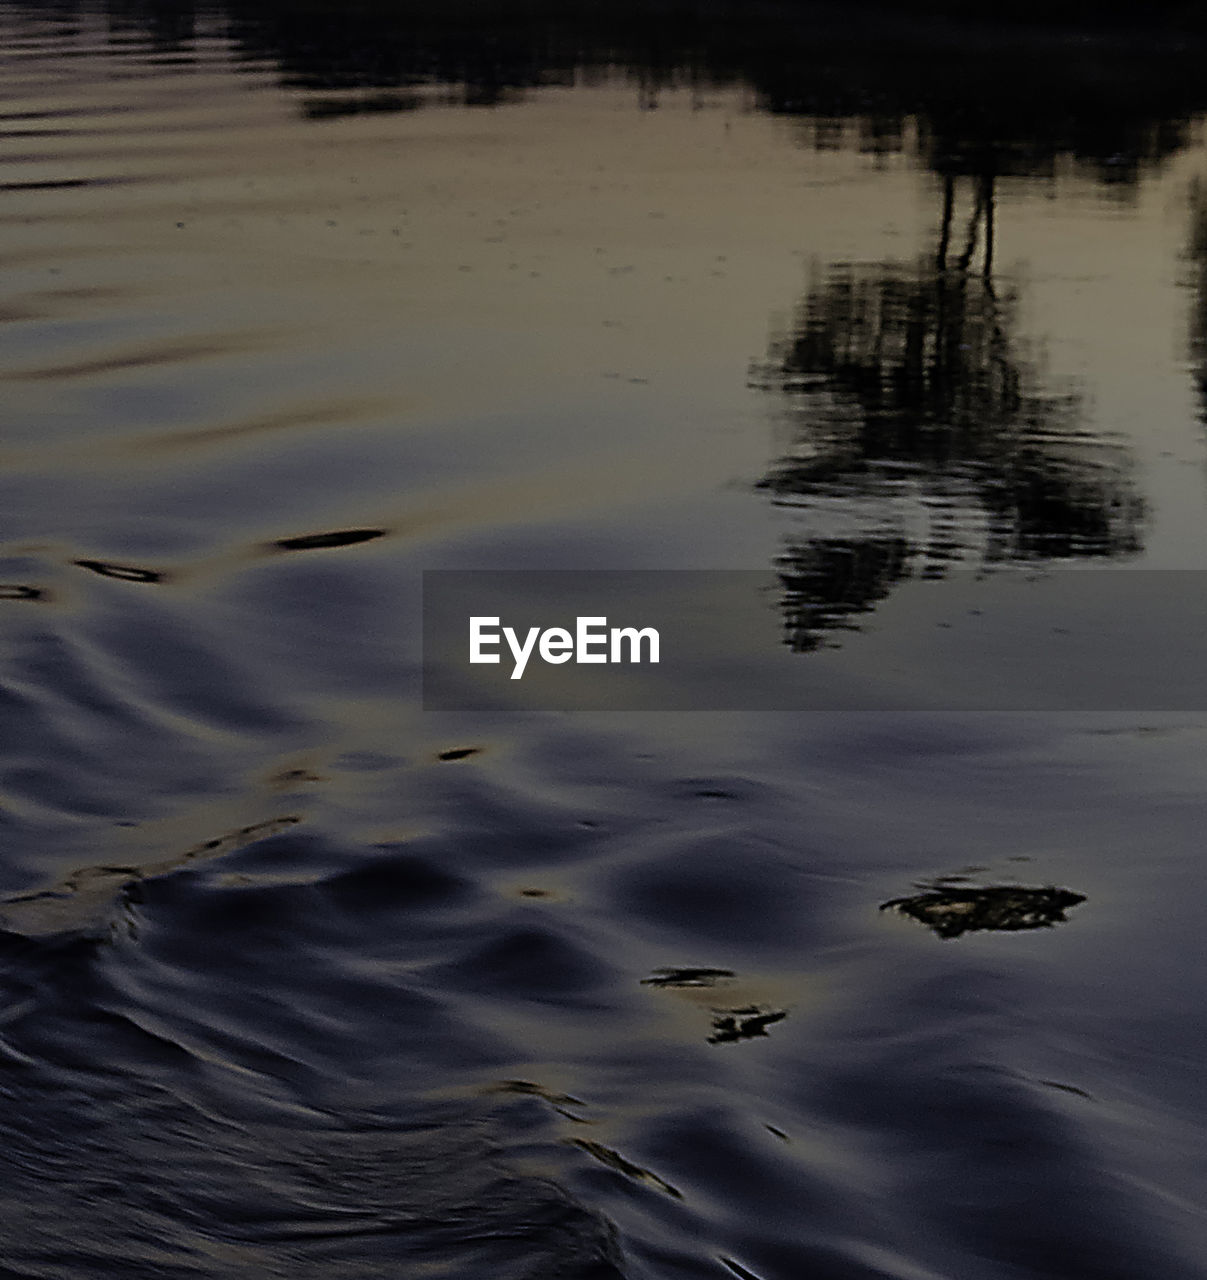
x: 953, y: 910
x: 729, y: 1025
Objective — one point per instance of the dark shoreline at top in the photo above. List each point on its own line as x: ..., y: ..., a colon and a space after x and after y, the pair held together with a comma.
x: 1160, y: 19
x: 987, y: 91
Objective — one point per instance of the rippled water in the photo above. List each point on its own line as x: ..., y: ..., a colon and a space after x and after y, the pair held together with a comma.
x: 300, y: 980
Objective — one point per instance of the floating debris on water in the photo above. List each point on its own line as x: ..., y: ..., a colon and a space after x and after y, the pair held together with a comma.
x: 729, y: 1025
x: 124, y: 572
x: 951, y: 911
x: 614, y: 1160
x: 726, y: 1024
x: 294, y: 777
x: 686, y: 977
x: 337, y: 538
x: 459, y: 753
x: 228, y: 843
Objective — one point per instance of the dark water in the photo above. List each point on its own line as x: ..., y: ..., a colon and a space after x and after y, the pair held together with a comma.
x: 299, y: 980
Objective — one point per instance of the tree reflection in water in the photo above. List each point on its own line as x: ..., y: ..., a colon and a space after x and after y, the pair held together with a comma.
x: 921, y: 434
x: 1197, y: 253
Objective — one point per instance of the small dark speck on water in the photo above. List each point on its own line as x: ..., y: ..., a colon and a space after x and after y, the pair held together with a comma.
x: 686, y: 977
x: 459, y: 753
x: 1068, y: 1088
x: 338, y: 538
x: 125, y: 572
x: 736, y: 1267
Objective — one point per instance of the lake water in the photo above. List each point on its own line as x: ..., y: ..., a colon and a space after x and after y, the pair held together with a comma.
x: 298, y: 979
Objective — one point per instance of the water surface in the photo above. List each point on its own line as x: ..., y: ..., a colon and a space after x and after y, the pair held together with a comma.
x: 301, y: 980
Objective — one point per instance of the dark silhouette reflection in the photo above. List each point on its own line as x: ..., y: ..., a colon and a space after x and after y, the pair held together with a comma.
x: 385, y: 103
x: 952, y: 911
x: 1009, y: 104
x: 1112, y: 85
x: 829, y: 581
x: 1197, y: 252
x: 1117, y: 103
x: 922, y: 435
